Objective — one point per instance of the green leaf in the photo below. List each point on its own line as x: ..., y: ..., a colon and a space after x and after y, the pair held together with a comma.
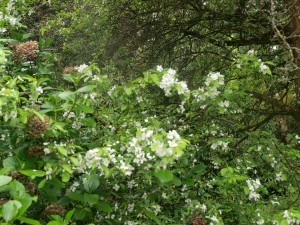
x: 67, y: 168
x: 29, y: 221
x: 89, y: 122
x: 152, y: 216
x: 69, y: 78
x: 69, y: 215
x: 92, y: 183
x: 5, y: 180
x: 80, y: 214
x: 75, y: 196
x: 17, y: 190
x: 22, y: 115
x: 12, y: 163
x: 104, y: 207
x: 74, y: 161
x: 42, y: 183
x: 62, y: 150
x: 284, y: 222
x: 91, y: 199
x: 84, y: 108
x: 65, y: 177
x: 67, y: 95
x: 87, y: 88
x: 10, y: 210
x: 176, y: 181
x: 4, y: 171
x: 33, y: 173
x: 164, y: 175
x: 54, y: 223
x: 200, y: 168
x: 128, y: 91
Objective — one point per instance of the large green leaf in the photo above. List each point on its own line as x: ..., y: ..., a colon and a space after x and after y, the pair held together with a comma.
x: 62, y: 150
x: 91, y: 199
x: 75, y: 196
x: 92, y: 183
x: 10, y: 210
x: 5, y: 180
x: 17, y: 190
x: 164, y: 175
x: 13, y: 163
x: 104, y: 206
x: 33, y: 173
x: 67, y: 95
x: 29, y: 221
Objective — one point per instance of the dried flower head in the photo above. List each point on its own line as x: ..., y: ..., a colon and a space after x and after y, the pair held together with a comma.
x: 36, y: 150
x: 36, y: 126
x: 30, y: 187
x: 17, y: 176
x: 71, y: 69
x: 25, y: 51
x: 198, y: 220
x: 54, y: 209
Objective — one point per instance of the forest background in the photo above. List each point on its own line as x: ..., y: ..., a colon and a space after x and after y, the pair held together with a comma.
x: 150, y: 112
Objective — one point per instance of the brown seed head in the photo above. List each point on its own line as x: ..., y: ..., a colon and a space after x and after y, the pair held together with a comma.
x: 25, y: 51
x: 37, y: 126
x: 198, y: 220
x: 36, y: 150
x: 71, y: 69
x: 17, y: 175
x: 54, y: 209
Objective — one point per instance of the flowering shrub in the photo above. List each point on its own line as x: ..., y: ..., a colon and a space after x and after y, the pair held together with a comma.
x: 77, y: 149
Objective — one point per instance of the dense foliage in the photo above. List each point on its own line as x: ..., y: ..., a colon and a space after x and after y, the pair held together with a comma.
x: 80, y: 147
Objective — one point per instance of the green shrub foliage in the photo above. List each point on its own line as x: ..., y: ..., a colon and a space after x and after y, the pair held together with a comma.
x: 77, y: 149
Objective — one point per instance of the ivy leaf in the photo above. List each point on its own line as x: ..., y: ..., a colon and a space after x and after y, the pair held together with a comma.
x: 164, y: 176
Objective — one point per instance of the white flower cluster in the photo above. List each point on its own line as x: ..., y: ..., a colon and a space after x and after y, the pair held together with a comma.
x: 213, y: 219
x: 95, y: 158
x: 163, y: 149
x: 290, y: 217
x: 11, y: 15
x: 137, y: 145
x: 221, y: 144
x: 146, y: 139
x: 263, y: 67
x: 169, y: 82
x: 253, y: 185
x: 85, y: 70
x: 210, y: 91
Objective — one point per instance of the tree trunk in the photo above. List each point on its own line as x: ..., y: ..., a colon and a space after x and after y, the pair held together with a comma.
x: 294, y: 10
